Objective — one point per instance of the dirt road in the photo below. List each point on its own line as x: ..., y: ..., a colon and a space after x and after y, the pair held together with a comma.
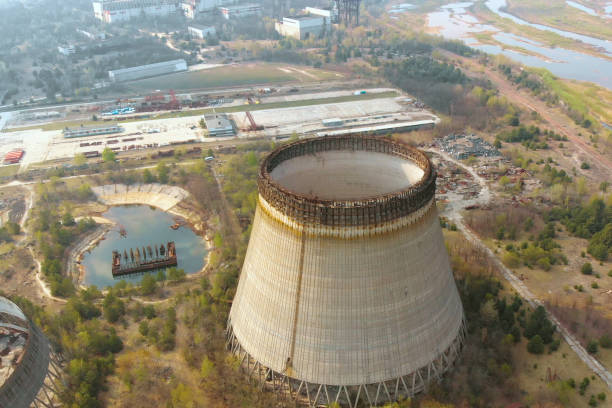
x: 454, y: 213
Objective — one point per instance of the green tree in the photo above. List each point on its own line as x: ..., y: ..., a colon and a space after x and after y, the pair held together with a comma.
x: 113, y: 307
x: 175, y: 274
x: 147, y: 176
x: 13, y: 228
x: 163, y: 172
x: 587, y: 269
x: 108, y: 155
x: 605, y: 341
x: 68, y: 219
x: 79, y: 159
x: 148, y: 285
x: 207, y: 367
x: 592, y: 346
x: 535, y: 345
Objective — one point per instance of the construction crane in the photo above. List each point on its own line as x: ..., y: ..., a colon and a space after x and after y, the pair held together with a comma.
x: 253, y: 125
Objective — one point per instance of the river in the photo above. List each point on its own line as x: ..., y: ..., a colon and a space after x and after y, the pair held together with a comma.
x: 496, y: 6
x: 454, y: 21
x: 144, y: 226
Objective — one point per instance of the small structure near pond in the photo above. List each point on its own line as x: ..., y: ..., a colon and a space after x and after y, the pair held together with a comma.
x: 144, y: 259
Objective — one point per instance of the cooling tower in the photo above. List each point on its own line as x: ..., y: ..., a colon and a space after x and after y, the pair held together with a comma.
x: 27, y: 368
x: 346, y: 293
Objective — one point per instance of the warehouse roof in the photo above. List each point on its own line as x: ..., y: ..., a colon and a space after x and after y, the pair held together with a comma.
x: 149, y: 66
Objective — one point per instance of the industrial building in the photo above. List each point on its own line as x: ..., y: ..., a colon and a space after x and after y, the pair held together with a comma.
x: 27, y: 365
x: 147, y: 71
x: 14, y: 156
x: 331, y: 14
x: 84, y: 131
x: 66, y: 49
x: 376, y: 129
x: 219, y: 124
x: 201, y: 32
x: 92, y: 35
x: 303, y: 27
x: 113, y: 11
x: 239, y: 11
x: 346, y: 292
x: 191, y: 8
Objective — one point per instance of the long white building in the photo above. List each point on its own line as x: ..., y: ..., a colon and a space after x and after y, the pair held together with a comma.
x: 147, y: 71
x: 239, y: 11
x: 112, y: 11
x: 191, y: 8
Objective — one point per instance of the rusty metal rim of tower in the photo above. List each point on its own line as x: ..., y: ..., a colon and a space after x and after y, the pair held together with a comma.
x: 365, y: 211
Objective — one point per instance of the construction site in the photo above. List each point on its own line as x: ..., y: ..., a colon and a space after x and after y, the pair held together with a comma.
x: 159, y: 120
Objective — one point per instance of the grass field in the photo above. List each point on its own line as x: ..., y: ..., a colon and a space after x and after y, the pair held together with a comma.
x: 198, y: 112
x: 234, y: 75
x: 10, y: 170
x: 584, y: 97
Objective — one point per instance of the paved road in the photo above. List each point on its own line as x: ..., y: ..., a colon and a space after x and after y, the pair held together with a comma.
x: 454, y: 214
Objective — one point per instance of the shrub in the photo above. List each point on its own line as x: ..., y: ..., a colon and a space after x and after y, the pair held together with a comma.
x: 584, y: 385
x: 601, y: 396
x: 605, y: 341
x: 592, y: 346
x: 587, y: 269
x: 594, y: 285
x: 148, y: 285
x: 554, y: 346
x: 511, y: 260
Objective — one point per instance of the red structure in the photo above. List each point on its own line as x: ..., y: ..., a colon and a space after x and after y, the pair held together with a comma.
x: 14, y: 156
x: 145, y: 259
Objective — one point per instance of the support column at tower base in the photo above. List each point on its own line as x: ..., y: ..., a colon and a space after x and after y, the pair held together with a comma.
x: 351, y: 396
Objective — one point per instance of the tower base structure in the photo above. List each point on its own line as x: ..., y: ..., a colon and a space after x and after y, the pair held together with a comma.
x: 352, y: 396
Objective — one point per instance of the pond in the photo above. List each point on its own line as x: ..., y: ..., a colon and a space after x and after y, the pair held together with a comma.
x: 144, y: 226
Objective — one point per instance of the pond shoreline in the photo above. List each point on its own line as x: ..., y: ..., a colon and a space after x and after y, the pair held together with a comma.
x: 106, y: 225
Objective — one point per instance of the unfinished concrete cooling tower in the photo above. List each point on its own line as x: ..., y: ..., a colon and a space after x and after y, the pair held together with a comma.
x: 27, y: 366
x: 346, y: 292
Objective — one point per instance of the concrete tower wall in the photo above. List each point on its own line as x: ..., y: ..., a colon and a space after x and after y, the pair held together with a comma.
x: 24, y: 383
x: 346, y: 311
x: 346, y: 286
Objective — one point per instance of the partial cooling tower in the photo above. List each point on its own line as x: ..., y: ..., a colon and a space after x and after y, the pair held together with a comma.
x: 346, y: 293
x: 27, y: 366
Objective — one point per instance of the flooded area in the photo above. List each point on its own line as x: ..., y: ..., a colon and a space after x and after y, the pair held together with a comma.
x: 581, y: 7
x: 400, y: 8
x: 498, y: 6
x: 143, y: 226
x: 455, y: 22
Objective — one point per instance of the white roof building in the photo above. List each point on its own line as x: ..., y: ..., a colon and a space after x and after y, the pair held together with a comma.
x: 242, y: 10
x: 302, y: 27
x: 112, y: 11
x: 201, y: 32
x: 147, y: 71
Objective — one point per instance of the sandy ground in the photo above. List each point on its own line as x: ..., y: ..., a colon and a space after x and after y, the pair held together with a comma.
x: 157, y: 195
